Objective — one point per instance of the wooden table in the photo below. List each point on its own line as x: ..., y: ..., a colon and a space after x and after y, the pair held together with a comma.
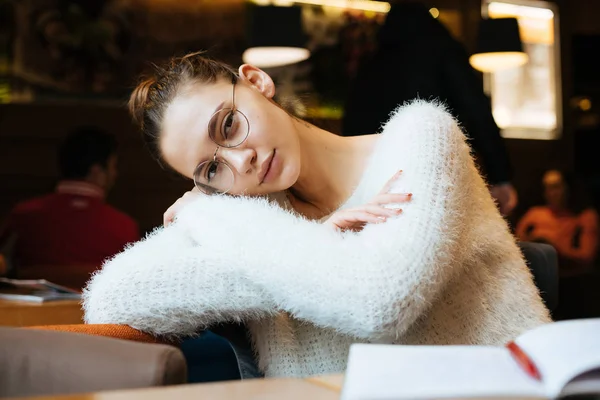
x: 316, y: 388
x: 332, y: 382
x: 21, y: 313
x: 275, y: 389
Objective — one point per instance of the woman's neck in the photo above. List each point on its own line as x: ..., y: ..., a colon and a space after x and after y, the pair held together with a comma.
x: 332, y: 167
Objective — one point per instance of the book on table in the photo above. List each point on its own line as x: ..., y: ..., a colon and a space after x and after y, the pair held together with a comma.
x: 35, y: 290
x: 556, y: 360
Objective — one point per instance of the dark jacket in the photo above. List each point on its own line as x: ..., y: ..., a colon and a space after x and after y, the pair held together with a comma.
x: 418, y: 58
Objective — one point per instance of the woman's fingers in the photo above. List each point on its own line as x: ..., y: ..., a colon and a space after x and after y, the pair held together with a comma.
x: 353, y: 216
x: 389, y: 183
x: 168, y: 216
x: 390, y: 198
x: 171, y: 213
x: 369, y: 214
x: 381, y: 211
x: 374, y: 212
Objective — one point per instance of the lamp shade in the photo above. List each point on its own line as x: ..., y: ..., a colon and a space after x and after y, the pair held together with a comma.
x: 499, y: 45
x: 275, y: 37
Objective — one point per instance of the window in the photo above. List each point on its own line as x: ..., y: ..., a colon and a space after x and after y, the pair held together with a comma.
x: 527, y: 100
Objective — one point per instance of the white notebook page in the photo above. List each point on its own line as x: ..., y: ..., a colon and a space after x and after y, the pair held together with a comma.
x: 563, y: 350
x: 377, y: 372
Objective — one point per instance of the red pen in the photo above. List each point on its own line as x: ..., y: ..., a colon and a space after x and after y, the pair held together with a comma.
x: 524, y: 361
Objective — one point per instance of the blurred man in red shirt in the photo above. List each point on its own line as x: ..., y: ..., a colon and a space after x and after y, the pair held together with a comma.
x: 73, y: 225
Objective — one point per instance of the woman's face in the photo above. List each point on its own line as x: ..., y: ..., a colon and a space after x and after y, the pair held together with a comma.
x: 267, y: 161
x: 554, y: 189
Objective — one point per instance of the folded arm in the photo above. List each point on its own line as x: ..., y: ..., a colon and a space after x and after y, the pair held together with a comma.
x: 168, y: 285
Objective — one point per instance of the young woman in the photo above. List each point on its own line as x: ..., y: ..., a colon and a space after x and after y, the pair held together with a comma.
x: 445, y: 270
x: 569, y: 223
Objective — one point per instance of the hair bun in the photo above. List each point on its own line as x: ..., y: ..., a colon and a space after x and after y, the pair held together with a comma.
x: 140, y: 100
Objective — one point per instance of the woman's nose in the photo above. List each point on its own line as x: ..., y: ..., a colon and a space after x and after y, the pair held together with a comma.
x: 242, y: 159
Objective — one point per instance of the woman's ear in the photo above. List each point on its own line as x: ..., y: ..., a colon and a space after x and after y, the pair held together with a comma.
x: 258, y: 78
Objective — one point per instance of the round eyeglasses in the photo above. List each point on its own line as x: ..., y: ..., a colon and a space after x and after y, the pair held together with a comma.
x: 227, y: 128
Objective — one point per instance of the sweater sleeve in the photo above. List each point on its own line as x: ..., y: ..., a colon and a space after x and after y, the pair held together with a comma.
x: 248, y: 258
x: 169, y: 285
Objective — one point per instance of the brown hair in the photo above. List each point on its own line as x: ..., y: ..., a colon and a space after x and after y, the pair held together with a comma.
x: 155, y: 92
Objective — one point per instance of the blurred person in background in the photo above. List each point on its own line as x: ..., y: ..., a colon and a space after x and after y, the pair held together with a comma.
x: 73, y: 225
x: 570, y: 225
x: 417, y: 57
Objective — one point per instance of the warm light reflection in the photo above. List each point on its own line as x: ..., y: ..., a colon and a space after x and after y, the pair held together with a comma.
x: 364, y: 5
x: 434, y: 12
x: 519, y: 10
x: 492, y: 62
x: 283, y: 3
x: 585, y: 104
x: 269, y: 57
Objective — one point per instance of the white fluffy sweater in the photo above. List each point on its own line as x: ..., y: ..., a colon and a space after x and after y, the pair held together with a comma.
x: 446, y: 271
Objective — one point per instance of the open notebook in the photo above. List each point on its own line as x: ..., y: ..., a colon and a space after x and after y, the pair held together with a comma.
x: 37, y: 291
x: 566, y: 355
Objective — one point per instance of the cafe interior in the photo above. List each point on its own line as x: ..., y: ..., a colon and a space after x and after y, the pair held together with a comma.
x: 79, y: 184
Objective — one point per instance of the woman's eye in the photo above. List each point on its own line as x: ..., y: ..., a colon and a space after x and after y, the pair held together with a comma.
x: 228, y: 123
x: 211, y: 171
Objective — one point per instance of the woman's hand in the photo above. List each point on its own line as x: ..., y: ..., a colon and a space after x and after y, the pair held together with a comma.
x: 374, y: 212
x: 171, y: 213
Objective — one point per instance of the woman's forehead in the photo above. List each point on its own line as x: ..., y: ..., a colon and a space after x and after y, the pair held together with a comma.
x: 195, y: 105
x: 184, y: 128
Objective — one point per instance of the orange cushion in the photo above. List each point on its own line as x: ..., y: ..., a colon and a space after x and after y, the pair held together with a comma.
x: 108, y: 330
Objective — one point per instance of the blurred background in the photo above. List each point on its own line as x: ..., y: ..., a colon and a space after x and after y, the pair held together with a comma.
x: 71, y: 63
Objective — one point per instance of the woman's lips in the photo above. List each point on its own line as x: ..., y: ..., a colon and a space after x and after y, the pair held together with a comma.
x: 272, y: 169
x: 265, y: 167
